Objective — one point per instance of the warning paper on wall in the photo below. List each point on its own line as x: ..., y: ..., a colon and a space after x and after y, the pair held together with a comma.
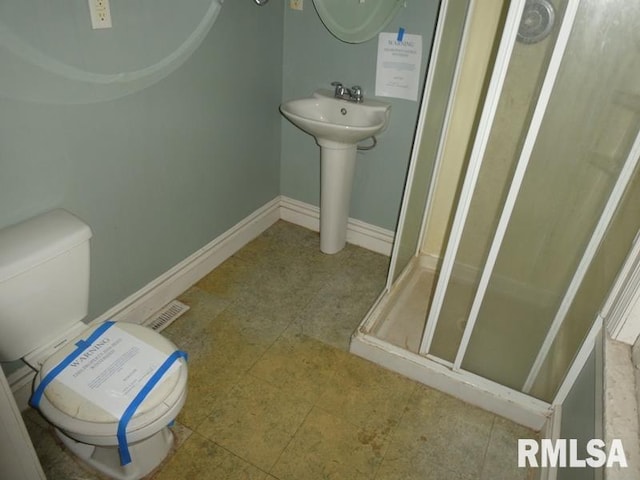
x: 398, y: 66
x: 112, y: 371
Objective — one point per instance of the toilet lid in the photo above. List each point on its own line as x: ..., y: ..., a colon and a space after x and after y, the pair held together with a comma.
x: 69, y: 401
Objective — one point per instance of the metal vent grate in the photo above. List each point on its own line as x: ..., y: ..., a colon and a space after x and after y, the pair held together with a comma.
x: 166, y: 315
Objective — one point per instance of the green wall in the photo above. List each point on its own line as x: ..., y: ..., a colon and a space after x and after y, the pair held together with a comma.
x: 159, y: 168
x: 159, y: 173
x: 312, y: 59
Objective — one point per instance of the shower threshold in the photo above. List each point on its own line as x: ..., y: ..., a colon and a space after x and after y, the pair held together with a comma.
x: 390, y: 335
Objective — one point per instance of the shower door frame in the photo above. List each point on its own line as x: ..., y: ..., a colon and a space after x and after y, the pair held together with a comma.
x: 447, y: 376
x: 489, y: 110
x: 474, y: 389
x: 422, y: 118
x: 505, y: 51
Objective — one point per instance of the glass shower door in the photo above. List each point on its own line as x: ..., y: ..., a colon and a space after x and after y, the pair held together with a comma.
x: 437, y: 97
x: 551, y: 175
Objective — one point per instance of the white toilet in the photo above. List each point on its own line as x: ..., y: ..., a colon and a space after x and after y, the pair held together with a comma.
x: 44, y: 290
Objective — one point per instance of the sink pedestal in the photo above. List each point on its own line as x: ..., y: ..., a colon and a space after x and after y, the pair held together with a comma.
x: 337, y: 167
x: 337, y: 125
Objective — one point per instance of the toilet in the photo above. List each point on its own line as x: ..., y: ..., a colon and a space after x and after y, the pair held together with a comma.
x: 110, y: 390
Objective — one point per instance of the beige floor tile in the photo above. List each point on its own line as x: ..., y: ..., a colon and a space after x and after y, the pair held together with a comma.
x: 230, y: 279
x: 180, y: 434
x: 48, y: 449
x: 326, y: 446
x: 336, y: 311
x: 299, y: 365
x: 415, y: 468
x: 501, y: 461
x: 281, y: 240
x: 287, y: 249
x: 201, y: 459
x: 412, y: 466
x: 238, y: 337
x: 255, y: 421
x: 268, y: 318
x: 365, y: 269
x: 224, y: 349
x: 206, y: 382
x: 230, y: 342
x: 286, y: 285
x: 71, y: 469
x: 258, y: 252
x: 441, y: 430
x: 187, y: 331
x: 209, y: 378
x: 340, y: 305
x: 57, y: 462
x: 284, y: 233
x: 366, y: 394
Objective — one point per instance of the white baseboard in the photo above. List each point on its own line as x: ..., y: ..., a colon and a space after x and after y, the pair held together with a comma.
x: 359, y: 233
x: 152, y: 297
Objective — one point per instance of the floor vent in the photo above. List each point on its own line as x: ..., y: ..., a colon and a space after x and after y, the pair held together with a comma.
x: 166, y: 315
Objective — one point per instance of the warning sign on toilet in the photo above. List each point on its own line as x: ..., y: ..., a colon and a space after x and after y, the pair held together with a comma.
x: 113, y: 369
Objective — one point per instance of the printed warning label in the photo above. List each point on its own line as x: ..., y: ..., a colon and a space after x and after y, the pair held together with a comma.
x: 113, y: 370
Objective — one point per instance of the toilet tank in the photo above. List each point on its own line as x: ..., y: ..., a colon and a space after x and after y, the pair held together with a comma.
x: 44, y: 280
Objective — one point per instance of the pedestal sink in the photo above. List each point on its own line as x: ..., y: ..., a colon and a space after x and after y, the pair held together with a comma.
x: 338, y: 125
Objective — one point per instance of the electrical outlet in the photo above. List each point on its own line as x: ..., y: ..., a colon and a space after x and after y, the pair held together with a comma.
x: 295, y: 4
x: 100, y: 14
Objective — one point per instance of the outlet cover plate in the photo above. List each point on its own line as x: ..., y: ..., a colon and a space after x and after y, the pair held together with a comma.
x: 100, y: 14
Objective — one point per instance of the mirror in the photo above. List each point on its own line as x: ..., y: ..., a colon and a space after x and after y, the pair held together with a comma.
x: 356, y: 21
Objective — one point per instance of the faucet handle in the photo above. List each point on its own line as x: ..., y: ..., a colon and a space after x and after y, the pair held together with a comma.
x: 340, y: 89
x: 356, y: 92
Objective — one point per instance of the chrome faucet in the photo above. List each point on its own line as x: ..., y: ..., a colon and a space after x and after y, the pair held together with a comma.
x: 353, y: 94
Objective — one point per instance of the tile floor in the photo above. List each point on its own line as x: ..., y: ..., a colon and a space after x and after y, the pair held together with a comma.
x: 274, y: 395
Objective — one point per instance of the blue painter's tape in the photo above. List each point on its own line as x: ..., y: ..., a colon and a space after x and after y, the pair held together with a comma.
x: 123, y: 448
x: 400, y: 34
x: 81, y: 345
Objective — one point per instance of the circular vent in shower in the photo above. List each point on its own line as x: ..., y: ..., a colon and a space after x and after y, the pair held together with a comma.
x: 537, y: 21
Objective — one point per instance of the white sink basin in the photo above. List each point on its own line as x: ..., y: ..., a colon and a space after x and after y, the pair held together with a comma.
x: 336, y: 120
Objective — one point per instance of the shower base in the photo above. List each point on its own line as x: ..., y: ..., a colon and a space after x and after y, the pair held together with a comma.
x: 390, y: 336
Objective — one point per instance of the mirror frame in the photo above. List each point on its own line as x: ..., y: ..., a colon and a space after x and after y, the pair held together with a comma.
x: 339, y: 16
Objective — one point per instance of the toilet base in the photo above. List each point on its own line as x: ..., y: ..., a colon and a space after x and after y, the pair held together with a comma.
x: 146, y: 455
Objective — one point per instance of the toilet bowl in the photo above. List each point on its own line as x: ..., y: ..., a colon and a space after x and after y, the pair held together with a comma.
x: 110, y: 390
x: 91, y: 433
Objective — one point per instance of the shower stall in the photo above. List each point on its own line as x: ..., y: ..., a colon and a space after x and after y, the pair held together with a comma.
x: 521, y: 204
